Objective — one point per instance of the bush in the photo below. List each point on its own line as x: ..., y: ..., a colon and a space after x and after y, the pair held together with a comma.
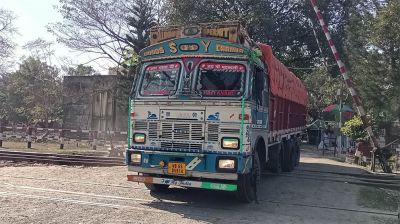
x: 354, y: 129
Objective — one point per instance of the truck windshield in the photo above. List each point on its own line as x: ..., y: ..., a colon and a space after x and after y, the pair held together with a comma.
x: 221, y: 79
x: 160, y: 79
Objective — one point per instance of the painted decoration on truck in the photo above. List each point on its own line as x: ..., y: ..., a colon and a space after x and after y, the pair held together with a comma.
x: 213, y: 117
x: 163, y: 67
x: 194, y: 47
x: 151, y: 116
x: 223, y: 67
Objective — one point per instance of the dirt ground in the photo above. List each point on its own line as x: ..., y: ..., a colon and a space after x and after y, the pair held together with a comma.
x: 316, y: 192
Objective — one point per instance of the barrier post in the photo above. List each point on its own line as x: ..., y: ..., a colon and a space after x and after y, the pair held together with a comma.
x: 1, y: 136
x: 29, y: 137
x: 78, y: 136
x: 94, y: 140
x: 61, y: 139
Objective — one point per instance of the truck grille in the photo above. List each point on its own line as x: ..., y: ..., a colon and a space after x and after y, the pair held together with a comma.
x: 140, y: 125
x: 151, y: 127
x: 183, y: 146
x: 214, y: 131
x: 179, y: 131
x: 182, y: 131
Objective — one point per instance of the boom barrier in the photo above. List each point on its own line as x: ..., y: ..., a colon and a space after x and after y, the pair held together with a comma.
x: 382, y: 156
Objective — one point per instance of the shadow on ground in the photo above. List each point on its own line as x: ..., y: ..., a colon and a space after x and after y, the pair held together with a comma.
x: 288, y: 198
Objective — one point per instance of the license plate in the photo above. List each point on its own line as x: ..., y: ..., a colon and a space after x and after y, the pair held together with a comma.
x: 177, y: 168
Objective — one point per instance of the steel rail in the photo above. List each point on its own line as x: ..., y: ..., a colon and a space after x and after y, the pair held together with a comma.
x: 64, y: 159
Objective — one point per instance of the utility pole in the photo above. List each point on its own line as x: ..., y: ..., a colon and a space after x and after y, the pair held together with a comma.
x: 339, y: 95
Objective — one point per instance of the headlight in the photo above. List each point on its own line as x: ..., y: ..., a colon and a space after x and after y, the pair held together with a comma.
x: 139, y: 138
x: 226, y: 164
x: 230, y: 143
x: 136, y: 158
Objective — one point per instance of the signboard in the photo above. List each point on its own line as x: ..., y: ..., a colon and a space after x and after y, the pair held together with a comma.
x: 229, y: 31
x: 193, y: 47
x: 160, y: 34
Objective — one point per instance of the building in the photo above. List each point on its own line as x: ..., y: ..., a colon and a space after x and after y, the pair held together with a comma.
x: 97, y: 102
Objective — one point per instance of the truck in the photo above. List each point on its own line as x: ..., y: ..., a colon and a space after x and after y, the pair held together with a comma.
x: 211, y: 108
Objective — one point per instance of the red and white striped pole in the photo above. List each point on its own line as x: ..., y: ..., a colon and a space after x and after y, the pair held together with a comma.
x: 346, y: 77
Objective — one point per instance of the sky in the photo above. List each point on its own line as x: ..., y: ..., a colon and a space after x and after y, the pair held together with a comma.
x: 32, y: 18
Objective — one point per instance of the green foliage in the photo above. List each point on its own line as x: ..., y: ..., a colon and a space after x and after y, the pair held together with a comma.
x: 142, y: 18
x: 31, y: 94
x: 373, y: 49
x: 7, y: 32
x: 81, y: 70
x: 354, y: 128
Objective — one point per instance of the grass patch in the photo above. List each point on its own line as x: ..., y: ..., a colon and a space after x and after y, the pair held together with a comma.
x: 378, y: 199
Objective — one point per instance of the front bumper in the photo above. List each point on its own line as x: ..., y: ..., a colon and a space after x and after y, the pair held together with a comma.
x: 198, y: 165
x: 197, y: 174
x: 183, y: 183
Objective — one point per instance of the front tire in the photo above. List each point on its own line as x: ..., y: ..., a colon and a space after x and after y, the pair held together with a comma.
x: 246, y: 191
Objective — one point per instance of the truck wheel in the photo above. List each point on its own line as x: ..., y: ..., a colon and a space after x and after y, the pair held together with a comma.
x: 157, y: 187
x: 275, y: 159
x: 246, y: 191
x: 287, y: 156
x: 297, y: 152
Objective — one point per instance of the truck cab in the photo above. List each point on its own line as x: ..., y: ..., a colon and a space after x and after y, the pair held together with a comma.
x: 199, y: 112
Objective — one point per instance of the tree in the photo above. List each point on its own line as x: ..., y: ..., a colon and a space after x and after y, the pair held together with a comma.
x: 105, y: 27
x: 373, y: 48
x: 33, y: 93
x: 285, y: 25
x: 354, y: 129
x: 385, y: 37
x: 142, y: 18
x: 322, y: 90
x: 81, y: 70
x: 40, y: 49
x: 7, y: 30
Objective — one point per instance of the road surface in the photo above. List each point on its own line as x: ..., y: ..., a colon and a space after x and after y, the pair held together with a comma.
x: 314, y: 193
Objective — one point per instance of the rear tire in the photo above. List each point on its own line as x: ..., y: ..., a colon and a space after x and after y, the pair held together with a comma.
x: 297, y: 152
x: 287, y: 156
x: 275, y: 159
x: 246, y: 192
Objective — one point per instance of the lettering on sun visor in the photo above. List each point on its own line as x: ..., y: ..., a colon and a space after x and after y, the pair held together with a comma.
x: 223, y: 67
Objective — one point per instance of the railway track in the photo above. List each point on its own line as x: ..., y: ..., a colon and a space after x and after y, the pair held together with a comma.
x: 151, y: 205
x: 160, y: 204
x: 60, y: 159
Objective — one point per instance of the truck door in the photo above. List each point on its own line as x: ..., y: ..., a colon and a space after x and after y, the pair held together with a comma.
x: 260, y: 98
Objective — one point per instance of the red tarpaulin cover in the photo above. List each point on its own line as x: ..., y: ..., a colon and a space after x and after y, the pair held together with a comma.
x: 283, y: 83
